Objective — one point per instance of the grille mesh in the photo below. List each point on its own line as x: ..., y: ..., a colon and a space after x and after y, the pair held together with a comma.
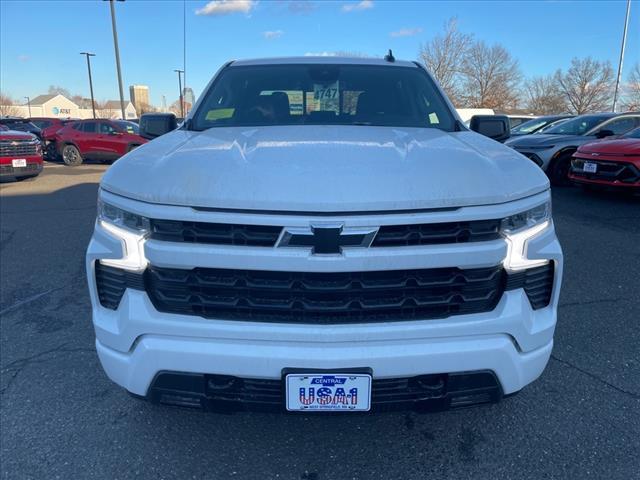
x: 16, y: 148
x: 324, y: 298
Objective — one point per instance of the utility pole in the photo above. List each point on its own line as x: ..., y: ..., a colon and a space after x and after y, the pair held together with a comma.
x: 624, y: 42
x: 184, y: 43
x: 29, y: 105
x: 180, y: 87
x: 93, y: 103
x: 115, y: 44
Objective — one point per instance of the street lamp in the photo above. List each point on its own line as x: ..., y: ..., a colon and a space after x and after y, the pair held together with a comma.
x: 180, y: 87
x: 93, y: 103
x: 115, y: 45
x: 29, y: 104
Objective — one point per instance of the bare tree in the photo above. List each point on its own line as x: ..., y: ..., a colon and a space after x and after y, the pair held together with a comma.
x: 587, y: 85
x: 144, y: 108
x: 443, y: 56
x: 57, y: 89
x: 8, y: 107
x: 631, y: 99
x: 543, y: 96
x: 102, y: 110
x: 490, y: 77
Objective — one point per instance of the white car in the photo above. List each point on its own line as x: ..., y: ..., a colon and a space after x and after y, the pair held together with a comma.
x: 324, y: 234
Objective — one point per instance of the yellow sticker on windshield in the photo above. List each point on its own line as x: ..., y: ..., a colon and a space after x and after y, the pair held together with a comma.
x: 220, y: 114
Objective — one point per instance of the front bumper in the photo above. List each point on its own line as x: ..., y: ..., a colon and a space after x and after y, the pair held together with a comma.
x: 611, y: 172
x: 34, y: 167
x: 136, y: 343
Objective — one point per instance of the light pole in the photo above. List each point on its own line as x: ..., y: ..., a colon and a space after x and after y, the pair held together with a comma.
x: 624, y: 42
x: 29, y: 104
x: 93, y: 103
x: 115, y: 45
x: 180, y: 87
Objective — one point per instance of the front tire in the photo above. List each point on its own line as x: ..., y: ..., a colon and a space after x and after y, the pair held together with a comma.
x: 558, y: 171
x: 71, y: 156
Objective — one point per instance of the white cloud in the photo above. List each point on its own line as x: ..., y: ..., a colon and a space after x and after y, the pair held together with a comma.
x: 226, y: 7
x: 272, y: 34
x: 406, y: 32
x: 354, y: 7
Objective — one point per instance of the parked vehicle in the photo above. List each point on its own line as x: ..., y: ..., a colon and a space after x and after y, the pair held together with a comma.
x: 515, y: 120
x: 552, y: 151
x: 20, y: 155
x: 21, y: 125
x: 49, y: 126
x: 104, y: 140
x: 609, y: 163
x: 538, y: 125
x: 324, y: 233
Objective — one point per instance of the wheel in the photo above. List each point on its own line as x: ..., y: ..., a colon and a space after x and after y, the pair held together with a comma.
x: 558, y: 171
x: 71, y: 156
x: 51, y: 152
x: 132, y: 147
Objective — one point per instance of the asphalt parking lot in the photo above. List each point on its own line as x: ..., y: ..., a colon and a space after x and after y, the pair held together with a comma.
x: 62, y: 418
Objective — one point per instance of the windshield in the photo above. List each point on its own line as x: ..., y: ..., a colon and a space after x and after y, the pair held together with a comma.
x: 578, y: 125
x: 528, y: 127
x: 632, y: 134
x: 320, y: 94
x: 128, y: 127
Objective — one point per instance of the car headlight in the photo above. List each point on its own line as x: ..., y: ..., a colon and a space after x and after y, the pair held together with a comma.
x: 131, y: 230
x: 540, y: 147
x: 518, y: 229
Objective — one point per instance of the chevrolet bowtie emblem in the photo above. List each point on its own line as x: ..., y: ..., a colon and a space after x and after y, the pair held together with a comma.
x: 327, y: 239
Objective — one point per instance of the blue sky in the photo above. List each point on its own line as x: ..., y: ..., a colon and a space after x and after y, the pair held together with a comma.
x: 40, y: 41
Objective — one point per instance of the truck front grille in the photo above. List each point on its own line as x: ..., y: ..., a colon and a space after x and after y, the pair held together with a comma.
x: 18, y: 148
x: 267, y: 236
x: 324, y: 298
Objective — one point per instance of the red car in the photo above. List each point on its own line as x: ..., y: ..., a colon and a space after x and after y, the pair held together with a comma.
x: 49, y: 127
x: 609, y: 163
x: 103, y: 140
x: 20, y: 155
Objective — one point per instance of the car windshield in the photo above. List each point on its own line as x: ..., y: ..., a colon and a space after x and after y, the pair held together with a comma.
x: 128, y: 127
x: 578, y: 125
x: 323, y: 94
x: 555, y: 123
x: 632, y: 134
x: 528, y: 127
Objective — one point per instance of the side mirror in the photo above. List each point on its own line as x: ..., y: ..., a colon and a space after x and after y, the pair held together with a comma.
x: 496, y: 127
x: 153, y: 125
x: 604, y: 133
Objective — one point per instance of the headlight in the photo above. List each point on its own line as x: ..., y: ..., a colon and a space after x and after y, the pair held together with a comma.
x: 518, y: 229
x: 540, y: 147
x: 131, y: 230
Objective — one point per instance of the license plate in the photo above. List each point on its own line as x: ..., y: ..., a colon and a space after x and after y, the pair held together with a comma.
x: 330, y: 392
x: 19, y: 162
x: 590, y: 167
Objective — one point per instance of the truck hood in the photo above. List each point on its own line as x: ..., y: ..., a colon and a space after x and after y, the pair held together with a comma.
x: 324, y: 169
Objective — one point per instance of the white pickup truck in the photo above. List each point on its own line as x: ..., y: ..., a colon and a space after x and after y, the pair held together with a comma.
x: 324, y: 234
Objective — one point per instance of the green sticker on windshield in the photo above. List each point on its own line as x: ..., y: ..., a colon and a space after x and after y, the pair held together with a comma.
x: 220, y: 114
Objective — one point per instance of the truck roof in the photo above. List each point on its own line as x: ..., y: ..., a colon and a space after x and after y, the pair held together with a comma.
x: 325, y: 59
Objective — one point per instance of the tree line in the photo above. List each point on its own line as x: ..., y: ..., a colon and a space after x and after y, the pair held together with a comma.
x: 477, y: 75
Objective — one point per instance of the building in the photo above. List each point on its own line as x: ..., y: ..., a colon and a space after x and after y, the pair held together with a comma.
x: 187, y: 94
x: 139, y: 96
x: 54, y: 105
x: 111, y: 109
x: 59, y: 106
